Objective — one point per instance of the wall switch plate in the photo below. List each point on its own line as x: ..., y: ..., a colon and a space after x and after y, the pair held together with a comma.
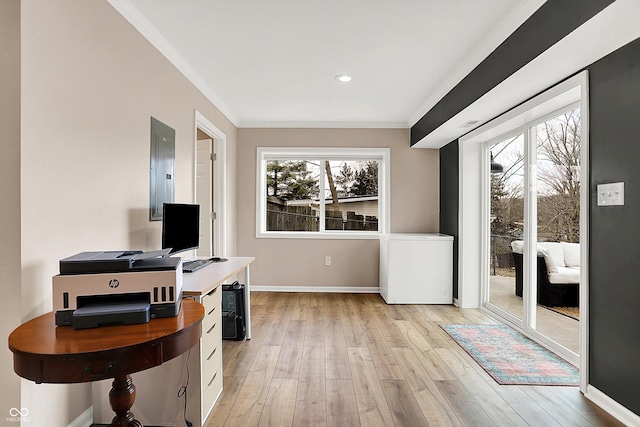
x: 327, y: 260
x: 611, y: 194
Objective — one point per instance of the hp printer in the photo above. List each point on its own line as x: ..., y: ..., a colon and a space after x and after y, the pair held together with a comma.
x: 116, y: 287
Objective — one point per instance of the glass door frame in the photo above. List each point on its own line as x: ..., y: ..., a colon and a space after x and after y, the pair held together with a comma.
x: 485, y: 300
x: 473, y: 224
x: 528, y: 323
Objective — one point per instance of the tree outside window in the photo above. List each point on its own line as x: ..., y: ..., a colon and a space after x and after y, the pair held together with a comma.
x: 319, y: 194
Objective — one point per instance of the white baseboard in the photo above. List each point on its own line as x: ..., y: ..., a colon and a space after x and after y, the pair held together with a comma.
x: 84, y: 420
x: 616, y: 410
x: 327, y: 289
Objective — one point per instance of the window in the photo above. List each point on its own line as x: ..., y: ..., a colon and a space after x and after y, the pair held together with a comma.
x: 322, y: 192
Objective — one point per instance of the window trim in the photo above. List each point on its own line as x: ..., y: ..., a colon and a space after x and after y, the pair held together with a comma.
x: 382, y: 155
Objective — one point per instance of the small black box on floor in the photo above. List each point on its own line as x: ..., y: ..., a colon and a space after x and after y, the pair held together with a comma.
x: 233, y: 326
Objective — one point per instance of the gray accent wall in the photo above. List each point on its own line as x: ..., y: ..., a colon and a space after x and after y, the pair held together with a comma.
x: 614, y: 236
x: 449, y: 185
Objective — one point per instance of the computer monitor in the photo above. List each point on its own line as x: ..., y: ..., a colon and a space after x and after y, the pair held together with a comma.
x: 180, y: 227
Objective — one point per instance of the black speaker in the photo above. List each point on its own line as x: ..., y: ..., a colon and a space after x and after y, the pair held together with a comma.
x: 233, y: 326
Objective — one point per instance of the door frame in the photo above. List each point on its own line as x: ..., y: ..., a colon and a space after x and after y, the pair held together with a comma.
x: 472, y: 164
x: 219, y: 179
x: 204, y: 189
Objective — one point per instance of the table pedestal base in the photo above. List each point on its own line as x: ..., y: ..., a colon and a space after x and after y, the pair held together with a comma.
x: 121, y: 398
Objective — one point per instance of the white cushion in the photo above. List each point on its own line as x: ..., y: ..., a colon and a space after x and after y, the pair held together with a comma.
x: 552, y: 267
x: 571, y: 254
x: 554, y: 250
x: 565, y: 275
x: 517, y: 246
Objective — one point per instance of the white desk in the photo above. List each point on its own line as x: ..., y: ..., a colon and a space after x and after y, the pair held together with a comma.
x: 203, y: 286
x: 157, y: 402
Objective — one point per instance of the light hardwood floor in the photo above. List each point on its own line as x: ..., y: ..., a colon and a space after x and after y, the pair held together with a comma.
x: 351, y: 360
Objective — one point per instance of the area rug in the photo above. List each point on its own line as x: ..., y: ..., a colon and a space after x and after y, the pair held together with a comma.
x: 510, y: 357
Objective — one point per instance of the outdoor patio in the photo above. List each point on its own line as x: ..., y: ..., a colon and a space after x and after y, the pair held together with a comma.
x: 559, y: 327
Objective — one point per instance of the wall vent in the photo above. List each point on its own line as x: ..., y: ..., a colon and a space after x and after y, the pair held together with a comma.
x: 469, y: 123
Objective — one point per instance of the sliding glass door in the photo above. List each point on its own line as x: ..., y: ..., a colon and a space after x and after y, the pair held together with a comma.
x: 506, y: 224
x: 533, y: 228
x: 558, y: 227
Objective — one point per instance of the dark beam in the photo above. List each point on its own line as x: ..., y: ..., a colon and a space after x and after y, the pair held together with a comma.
x: 554, y: 20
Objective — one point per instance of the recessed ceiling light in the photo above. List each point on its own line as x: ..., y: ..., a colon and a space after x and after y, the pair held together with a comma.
x: 344, y: 78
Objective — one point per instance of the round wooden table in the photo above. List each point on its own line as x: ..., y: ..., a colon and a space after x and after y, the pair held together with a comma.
x: 46, y: 353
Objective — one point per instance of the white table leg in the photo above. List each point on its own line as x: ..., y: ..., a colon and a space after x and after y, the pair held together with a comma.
x: 247, y: 302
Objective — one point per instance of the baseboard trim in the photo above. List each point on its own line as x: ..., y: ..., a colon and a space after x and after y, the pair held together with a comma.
x: 325, y: 289
x: 619, y: 412
x: 84, y: 420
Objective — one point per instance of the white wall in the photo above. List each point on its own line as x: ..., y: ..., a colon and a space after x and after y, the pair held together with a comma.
x: 90, y: 84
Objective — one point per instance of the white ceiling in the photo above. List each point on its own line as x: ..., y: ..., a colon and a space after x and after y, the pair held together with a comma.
x: 273, y: 62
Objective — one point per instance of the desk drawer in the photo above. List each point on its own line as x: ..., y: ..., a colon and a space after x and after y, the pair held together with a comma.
x: 211, y: 363
x: 212, y: 303
x: 211, y: 389
x: 212, y: 337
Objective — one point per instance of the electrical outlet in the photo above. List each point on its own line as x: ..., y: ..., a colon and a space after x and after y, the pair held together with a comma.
x: 327, y: 260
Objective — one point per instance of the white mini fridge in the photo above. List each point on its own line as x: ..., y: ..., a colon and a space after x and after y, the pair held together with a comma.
x: 416, y: 268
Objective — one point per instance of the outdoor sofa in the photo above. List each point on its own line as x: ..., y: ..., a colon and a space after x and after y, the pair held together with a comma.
x: 558, y: 272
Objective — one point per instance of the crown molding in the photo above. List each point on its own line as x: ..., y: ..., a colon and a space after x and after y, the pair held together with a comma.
x: 326, y: 125
x: 157, y: 40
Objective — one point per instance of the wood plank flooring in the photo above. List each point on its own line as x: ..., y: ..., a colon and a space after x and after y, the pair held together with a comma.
x: 351, y: 360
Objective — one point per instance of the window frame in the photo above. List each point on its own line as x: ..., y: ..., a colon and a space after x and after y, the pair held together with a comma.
x: 381, y: 155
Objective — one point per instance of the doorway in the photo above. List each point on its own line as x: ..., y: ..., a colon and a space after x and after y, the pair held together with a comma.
x: 210, y: 185
x: 204, y: 192
x: 474, y: 247
x: 534, y: 228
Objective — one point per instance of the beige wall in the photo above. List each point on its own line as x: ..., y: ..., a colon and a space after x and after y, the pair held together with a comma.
x: 300, y: 262
x: 10, y: 196
x: 90, y: 84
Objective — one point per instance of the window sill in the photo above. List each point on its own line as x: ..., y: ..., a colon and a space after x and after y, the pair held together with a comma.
x: 343, y: 235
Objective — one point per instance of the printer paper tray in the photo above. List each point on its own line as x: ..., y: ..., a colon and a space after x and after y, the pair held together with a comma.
x: 124, y: 313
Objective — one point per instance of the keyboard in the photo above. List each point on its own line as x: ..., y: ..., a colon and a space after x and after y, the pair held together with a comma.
x: 197, y: 264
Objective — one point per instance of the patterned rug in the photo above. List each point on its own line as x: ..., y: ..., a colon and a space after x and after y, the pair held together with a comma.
x: 510, y: 357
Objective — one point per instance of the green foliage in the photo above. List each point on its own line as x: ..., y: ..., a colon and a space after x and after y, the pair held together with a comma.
x: 293, y: 179
x: 358, y: 179
x: 290, y: 180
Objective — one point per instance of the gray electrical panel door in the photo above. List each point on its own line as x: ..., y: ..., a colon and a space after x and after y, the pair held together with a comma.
x: 163, y: 147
